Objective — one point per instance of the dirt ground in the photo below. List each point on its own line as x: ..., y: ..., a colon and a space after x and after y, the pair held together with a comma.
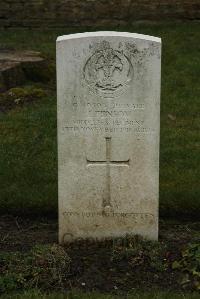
x: 21, y: 234
x: 107, y: 266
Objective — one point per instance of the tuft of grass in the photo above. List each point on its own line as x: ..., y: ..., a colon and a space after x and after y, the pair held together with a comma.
x: 140, y: 252
x: 45, y: 267
x: 28, y: 150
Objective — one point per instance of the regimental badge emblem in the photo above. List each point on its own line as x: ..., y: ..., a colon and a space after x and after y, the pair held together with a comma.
x: 108, y: 72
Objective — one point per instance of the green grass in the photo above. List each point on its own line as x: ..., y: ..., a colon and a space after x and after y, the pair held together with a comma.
x: 29, y: 163
x: 28, y: 136
x: 75, y: 295
x: 111, y: 267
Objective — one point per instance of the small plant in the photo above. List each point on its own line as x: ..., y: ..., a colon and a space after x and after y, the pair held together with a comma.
x: 139, y: 252
x: 189, y: 265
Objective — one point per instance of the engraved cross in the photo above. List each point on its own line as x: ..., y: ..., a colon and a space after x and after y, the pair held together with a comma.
x: 108, y: 162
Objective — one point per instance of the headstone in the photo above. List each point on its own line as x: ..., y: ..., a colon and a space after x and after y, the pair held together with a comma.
x: 108, y: 135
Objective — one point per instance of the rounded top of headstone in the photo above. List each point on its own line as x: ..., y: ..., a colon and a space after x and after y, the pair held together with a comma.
x: 109, y: 34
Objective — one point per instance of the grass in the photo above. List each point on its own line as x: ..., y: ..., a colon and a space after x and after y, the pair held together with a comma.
x: 34, y: 294
x: 114, y: 266
x: 29, y: 164
x: 28, y: 148
x: 31, y: 259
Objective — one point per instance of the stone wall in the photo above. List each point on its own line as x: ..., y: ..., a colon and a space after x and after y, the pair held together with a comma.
x: 59, y: 13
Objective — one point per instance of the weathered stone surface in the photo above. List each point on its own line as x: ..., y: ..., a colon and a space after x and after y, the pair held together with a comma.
x: 108, y: 135
x: 17, y: 66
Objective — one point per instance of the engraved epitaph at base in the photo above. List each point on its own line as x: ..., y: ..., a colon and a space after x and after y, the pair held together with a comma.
x: 108, y: 135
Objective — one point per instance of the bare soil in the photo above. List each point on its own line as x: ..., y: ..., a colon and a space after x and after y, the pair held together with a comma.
x: 21, y: 234
x: 105, y: 266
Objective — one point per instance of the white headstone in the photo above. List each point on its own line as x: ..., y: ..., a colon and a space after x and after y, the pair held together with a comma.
x: 108, y: 135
